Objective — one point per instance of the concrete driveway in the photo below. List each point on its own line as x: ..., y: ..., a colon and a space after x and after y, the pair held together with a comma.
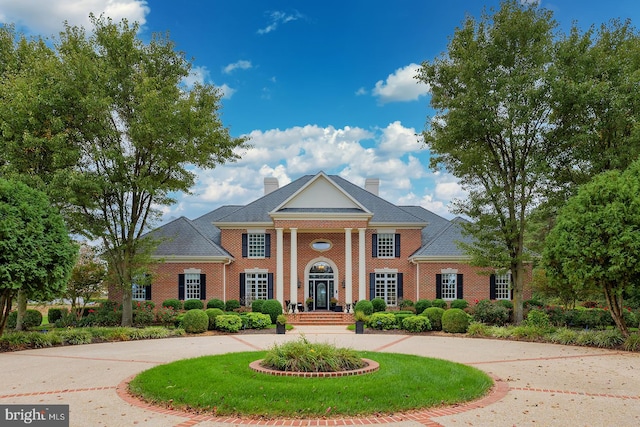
x: 537, y: 384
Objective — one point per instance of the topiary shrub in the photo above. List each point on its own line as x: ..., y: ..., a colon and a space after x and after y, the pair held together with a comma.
x: 193, y: 304
x: 400, y: 316
x: 455, y: 321
x: 434, y: 314
x: 416, y: 324
x: 228, y: 323
x: 215, y: 303
x: 195, y: 321
x: 212, y: 313
x: 231, y: 305
x: 383, y: 321
x: 55, y: 314
x: 364, y: 306
x: 459, y: 303
x: 256, y: 305
x: 31, y: 319
x: 439, y: 303
x: 273, y: 308
x: 422, y: 305
x: 176, y: 304
x: 378, y: 305
x: 259, y: 320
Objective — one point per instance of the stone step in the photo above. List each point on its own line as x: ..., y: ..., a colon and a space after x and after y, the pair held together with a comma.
x: 320, y: 318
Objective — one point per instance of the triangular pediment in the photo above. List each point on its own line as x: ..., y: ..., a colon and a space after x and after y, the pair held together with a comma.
x: 320, y: 193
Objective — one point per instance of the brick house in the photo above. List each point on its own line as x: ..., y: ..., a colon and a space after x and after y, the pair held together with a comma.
x: 318, y: 240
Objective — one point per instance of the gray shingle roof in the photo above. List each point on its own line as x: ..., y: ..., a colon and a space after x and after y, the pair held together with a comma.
x: 444, y: 243
x: 181, y: 237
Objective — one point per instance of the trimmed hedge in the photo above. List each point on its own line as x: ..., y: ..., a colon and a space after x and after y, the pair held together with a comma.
x: 273, y: 308
x: 232, y: 304
x: 364, y: 306
x: 434, y: 314
x: 176, y: 304
x: 416, y: 324
x: 258, y: 320
x: 455, y: 321
x: 422, y: 305
x: 212, y: 313
x: 256, y: 305
x: 215, y: 303
x: 228, y: 323
x: 55, y: 314
x: 195, y: 321
x: 459, y: 303
x: 384, y: 321
x: 439, y: 303
x: 378, y: 305
x: 193, y: 304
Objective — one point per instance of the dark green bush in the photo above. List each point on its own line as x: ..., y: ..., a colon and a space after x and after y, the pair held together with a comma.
x: 32, y: 318
x: 421, y: 305
x: 193, y: 304
x: 400, y: 316
x: 195, y: 321
x: 556, y: 314
x: 273, y: 308
x: 538, y: 318
x: 256, y: 305
x: 364, y: 306
x: 55, y: 314
x: 143, y: 317
x: 459, y: 303
x: 434, y: 314
x: 378, y: 305
x: 231, y: 305
x: 416, y: 323
x: 12, y: 320
x: 212, y: 313
x: 455, y: 321
x: 490, y: 313
x: 215, y: 303
x: 176, y: 304
x: 533, y: 303
x: 439, y: 303
x: 406, y: 304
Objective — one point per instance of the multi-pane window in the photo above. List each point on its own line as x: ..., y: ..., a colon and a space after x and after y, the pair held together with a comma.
x: 503, y: 286
x: 191, y: 286
x: 256, y: 287
x: 386, y: 287
x: 386, y: 245
x: 256, y: 245
x: 138, y: 292
x: 449, y: 285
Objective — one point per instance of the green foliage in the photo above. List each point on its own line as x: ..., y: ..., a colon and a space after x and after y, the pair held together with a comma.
x: 12, y: 319
x: 76, y: 336
x: 528, y: 332
x: 477, y: 329
x: 87, y: 277
x: 166, y: 316
x: 434, y: 314
x: 378, y: 305
x: 232, y: 305
x: 455, y: 321
x: 406, y: 304
x: 490, y: 313
x: 175, y: 304
x: 632, y: 342
x: 564, y: 336
x: 273, y: 308
x: 401, y: 315
x: 215, y: 303
x: 195, y: 321
x: 193, y: 304
x: 304, y: 356
x: 364, y: 306
x: 212, y: 313
x: 538, y: 318
x: 281, y: 320
x: 440, y: 303
x: 228, y: 323
x: 383, y: 321
x: 421, y: 305
x: 416, y: 324
x: 143, y: 316
x: 359, y: 316
x: 259, y: 320
x: 54, y: 314
x: 256, y: 305
x: 32, y: 318
x: 459, y: 303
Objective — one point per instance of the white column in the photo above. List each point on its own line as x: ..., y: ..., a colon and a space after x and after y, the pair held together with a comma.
x: 279, y: 265
x: 348, y: 270
x: 362, y: 266
x: 293, y: 284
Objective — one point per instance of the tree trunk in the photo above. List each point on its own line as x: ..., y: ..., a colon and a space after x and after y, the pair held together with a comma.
x: 517, y: 274
x: 615, y: 306
x: 127, y: 307
x: 22, y: 308
x: 5, y: 308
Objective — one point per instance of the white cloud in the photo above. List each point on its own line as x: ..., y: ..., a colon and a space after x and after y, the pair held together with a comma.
x: 227, y: 91
x: 361, y: 91
x: 47, y: 17
x: 242, y: 65
x: 400, y: 86
x: 278, y: 17
x: 200, y: 75
x: 399, y: 139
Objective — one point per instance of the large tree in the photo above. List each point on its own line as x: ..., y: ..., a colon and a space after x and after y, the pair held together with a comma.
x: 492, y: 101
x: 140, y: 132
x: 36, y: 253
x: 596, y: 240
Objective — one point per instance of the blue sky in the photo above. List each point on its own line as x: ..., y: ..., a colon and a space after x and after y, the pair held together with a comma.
x: 316, y: 85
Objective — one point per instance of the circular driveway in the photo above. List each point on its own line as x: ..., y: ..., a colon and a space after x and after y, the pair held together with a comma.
x: 537, y: 384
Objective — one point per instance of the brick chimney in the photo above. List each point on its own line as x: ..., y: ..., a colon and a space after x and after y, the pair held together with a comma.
x: 270, y: 185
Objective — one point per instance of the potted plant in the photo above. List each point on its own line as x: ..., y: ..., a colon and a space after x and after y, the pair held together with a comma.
x: 281, y: 324
x: 309, y: 302
x: 332, y: 303
x: 360, y: 318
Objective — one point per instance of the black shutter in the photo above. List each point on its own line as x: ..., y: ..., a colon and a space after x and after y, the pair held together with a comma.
x: 438, y: 286
x: 270, y: 285
x: 181, y: 287
x: 147, y: 292
x: 459, y: 294
x: 374, y: 246
x: 267, y: 245
x: 245, y: 245
x: 397, y: 242
x: 203, y: 286
x: 492, y: 286
x: 243, y: 288
x: 400, y: 286
x: 372, y: 286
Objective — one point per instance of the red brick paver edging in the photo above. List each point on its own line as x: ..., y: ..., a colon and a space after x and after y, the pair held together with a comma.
x: 372, y: 366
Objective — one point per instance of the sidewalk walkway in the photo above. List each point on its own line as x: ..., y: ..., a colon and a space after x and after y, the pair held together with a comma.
x: 538, y: 384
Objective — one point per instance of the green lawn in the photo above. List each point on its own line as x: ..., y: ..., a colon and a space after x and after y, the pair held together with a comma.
x: 225, y: 385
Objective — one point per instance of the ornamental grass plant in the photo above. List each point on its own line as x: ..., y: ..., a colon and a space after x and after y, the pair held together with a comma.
x: 304, y: 356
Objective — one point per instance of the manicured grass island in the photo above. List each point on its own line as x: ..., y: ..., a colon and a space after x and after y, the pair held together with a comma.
x: 225, y: 385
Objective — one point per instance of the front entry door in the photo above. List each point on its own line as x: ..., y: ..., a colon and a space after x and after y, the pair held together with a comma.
x: 321, y: 295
